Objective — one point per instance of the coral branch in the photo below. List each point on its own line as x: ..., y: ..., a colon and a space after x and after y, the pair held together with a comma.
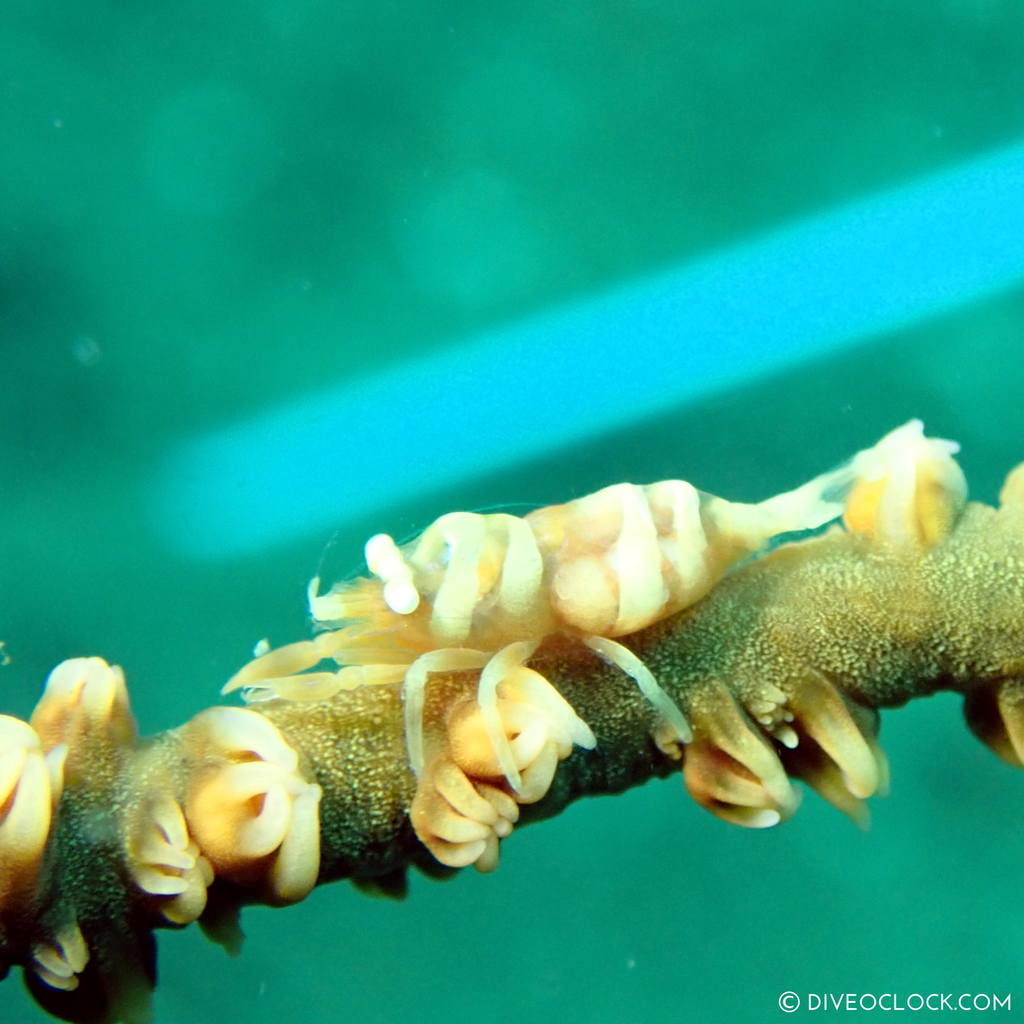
x: 777, y: 675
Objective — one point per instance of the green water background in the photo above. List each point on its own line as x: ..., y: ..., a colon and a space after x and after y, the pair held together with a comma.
x: 209, y: 209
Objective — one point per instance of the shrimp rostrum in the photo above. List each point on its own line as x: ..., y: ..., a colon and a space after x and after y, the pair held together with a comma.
x: 482, y: 591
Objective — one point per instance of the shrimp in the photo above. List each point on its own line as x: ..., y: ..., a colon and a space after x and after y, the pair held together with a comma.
x: 482, y: 591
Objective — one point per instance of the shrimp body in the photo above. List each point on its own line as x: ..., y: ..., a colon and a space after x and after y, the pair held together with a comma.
x: 607, y: 564
x: 482, y: 591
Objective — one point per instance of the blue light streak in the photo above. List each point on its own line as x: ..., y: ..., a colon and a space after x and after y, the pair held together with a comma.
x: 341, y: 454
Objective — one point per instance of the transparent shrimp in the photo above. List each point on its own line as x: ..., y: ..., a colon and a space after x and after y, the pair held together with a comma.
x: 482, y: 591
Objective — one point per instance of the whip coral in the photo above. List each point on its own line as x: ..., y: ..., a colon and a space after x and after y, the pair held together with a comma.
x: 767, y: 671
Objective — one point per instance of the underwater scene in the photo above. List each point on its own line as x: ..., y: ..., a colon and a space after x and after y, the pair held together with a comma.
x: 279, y: 276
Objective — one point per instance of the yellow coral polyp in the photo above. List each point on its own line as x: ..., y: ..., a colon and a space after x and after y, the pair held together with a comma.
x: 59, y: 963
x: 461, y: 810
x: 26, y: 798
x: 84, y: 704
x: 909, y: 489
x: 249, y: 808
